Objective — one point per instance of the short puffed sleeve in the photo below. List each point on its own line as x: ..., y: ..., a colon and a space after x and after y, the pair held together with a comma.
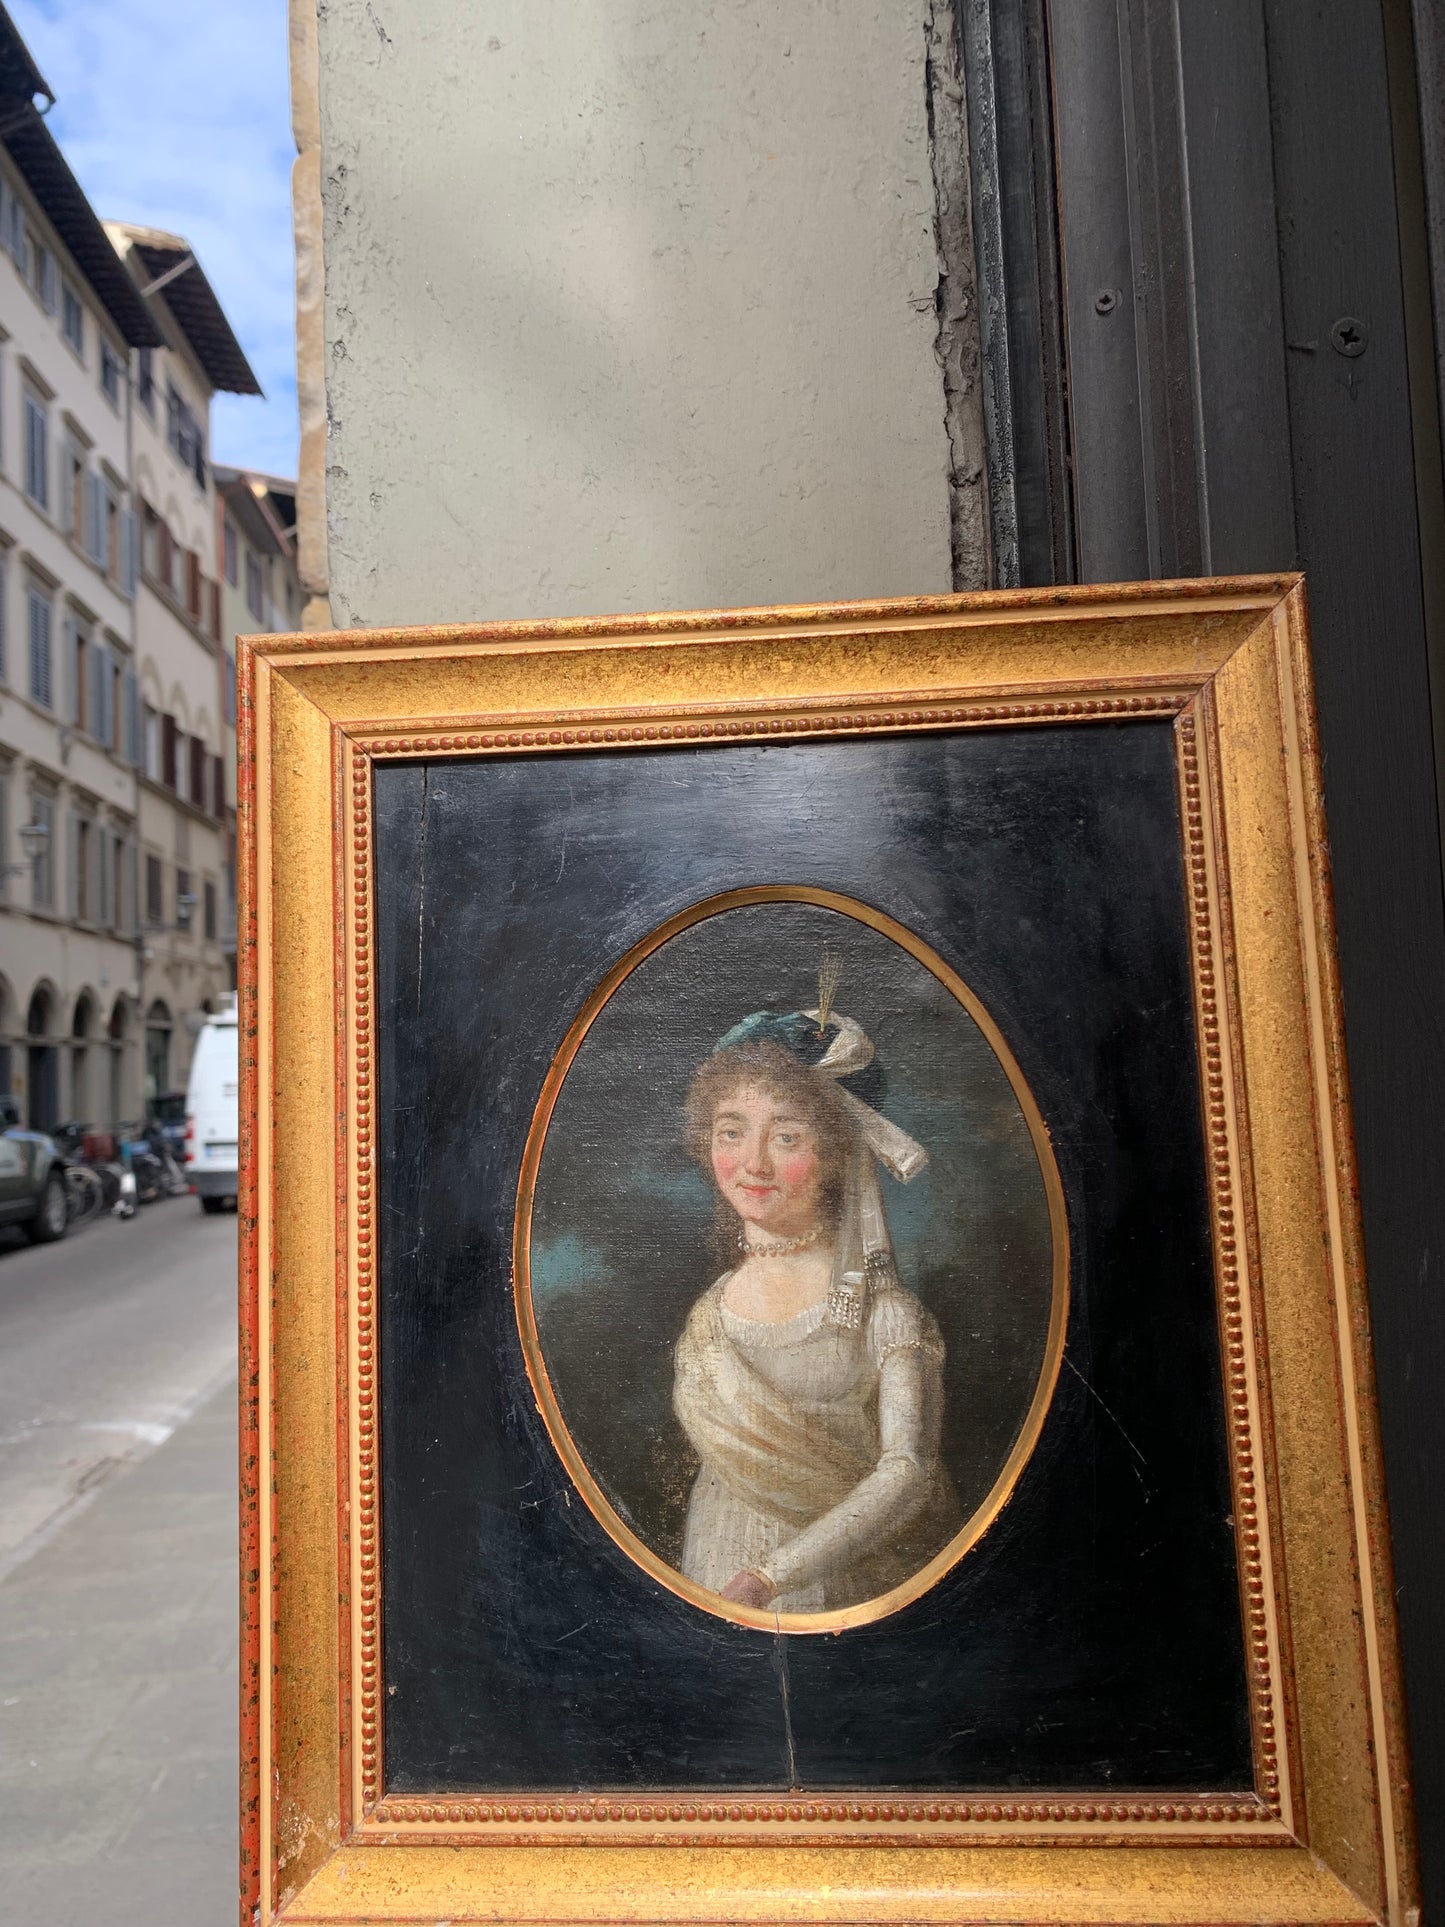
x: 898, y: 1322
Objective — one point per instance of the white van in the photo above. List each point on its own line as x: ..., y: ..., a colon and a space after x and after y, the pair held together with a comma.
x: 213, y: 1111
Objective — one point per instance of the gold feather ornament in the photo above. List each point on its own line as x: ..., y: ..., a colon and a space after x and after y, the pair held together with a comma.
x: 830, y: 969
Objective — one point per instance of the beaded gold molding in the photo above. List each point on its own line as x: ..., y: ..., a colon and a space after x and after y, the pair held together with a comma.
x: 802, y: 1817
x: 1234, y: 1254
x: 576, y: 730
x: 513, y: 1817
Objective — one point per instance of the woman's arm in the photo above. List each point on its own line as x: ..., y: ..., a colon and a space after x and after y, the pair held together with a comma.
x: 891, y: 1494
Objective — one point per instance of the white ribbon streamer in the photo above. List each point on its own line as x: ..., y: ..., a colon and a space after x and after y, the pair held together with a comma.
x: 852, y: 1050
x: 865, y: 1245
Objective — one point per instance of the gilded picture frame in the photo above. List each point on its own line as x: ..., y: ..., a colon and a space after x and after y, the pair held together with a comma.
x: 340, y: 1824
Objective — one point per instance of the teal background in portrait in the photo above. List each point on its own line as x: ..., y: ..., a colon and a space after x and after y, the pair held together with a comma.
x: 624, y: 1228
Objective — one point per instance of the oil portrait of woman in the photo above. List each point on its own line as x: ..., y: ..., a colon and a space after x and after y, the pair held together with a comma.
x: 822, y: 1419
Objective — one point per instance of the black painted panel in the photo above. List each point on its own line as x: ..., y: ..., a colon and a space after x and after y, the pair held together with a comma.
x: 1092, y: 1639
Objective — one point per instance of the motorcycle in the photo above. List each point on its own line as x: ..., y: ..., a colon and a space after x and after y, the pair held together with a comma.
x: 148, y: 1169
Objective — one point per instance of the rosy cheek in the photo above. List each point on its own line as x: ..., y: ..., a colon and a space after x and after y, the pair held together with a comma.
x: 725, y: 1166
x: 799, y: 1171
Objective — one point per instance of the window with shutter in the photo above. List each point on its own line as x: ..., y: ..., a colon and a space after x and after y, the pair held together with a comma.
x: 39, y: 612
x: 210, y: 911
x: 72, y: 867
x: 198, y: 773
x: 126, y: 918
x: 98, y: 658
x: 153, y: 889
x: 43, y: 865
x: 169, y: 734
x: 106, y: 675
x: 37, y: 453
x: 72, y: 489
x: 76, y: 669
x: 95, y: 519
x: 255, y: 594
x: 129, y: 551
x: 111, y: 369
x: 72, y: 319
x: 130, y: 708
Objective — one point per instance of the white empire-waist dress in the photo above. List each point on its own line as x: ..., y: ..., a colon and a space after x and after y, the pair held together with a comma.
x: 819, y: 1448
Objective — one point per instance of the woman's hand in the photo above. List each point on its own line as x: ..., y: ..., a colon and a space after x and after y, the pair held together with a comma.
x: 748, y: 1588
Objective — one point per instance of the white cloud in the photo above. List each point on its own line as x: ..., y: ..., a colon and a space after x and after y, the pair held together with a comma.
x: 176, y: 114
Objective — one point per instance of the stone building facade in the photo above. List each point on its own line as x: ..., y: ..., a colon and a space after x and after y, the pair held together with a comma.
x: 113, y: 735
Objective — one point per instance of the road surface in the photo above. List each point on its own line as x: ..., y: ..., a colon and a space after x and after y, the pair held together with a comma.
x: 109, y: 1340
x: 118, y: 1575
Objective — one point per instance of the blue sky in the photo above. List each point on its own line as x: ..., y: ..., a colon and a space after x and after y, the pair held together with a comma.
x: 176, y: 114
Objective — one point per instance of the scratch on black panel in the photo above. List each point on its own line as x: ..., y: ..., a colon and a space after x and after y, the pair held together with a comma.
x: 1111, y: 1418
x: 780, y: 1657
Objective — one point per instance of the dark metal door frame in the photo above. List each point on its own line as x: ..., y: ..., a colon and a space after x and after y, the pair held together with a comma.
x: 1231, y: 267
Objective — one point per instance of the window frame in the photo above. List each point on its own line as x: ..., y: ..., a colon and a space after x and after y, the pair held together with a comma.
x: 111, y: 373
x: 40, y: 647
x: 42, y: 864
x: 35, y: 415
x: 71, y: 303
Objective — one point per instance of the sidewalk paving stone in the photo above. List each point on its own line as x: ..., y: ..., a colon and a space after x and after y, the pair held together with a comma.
x: 118, y: 1691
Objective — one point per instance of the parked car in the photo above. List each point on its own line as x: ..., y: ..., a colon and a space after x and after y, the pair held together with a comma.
x: 32, y: 1178
x: 213, y: 1113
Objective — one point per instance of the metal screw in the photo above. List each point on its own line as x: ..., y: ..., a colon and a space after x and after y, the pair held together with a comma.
x: 1106, y: 300
x: 1349, y: 336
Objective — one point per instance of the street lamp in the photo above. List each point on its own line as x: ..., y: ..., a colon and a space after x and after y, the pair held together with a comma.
x: 34, y: 836
x: 185, y: 907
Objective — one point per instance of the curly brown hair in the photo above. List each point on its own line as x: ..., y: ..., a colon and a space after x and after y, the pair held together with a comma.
x: 769, y: 1067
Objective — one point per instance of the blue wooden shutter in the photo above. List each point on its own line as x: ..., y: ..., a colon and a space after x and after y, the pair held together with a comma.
x: 128, y: 567
x: 132, y: 718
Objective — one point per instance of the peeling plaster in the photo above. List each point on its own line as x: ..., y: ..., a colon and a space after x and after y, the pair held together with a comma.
x: 955, y: 302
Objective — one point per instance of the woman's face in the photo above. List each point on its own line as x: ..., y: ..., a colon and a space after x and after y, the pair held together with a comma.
x: 765, y: 1159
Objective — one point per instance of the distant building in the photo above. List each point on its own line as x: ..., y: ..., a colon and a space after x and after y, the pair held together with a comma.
x: 116, y: 806
x: 70, y: 316
x: 260, y: 591
x: 184, y: 721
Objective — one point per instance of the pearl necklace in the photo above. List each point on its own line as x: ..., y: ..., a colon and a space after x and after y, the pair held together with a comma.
x: 780, y: 1247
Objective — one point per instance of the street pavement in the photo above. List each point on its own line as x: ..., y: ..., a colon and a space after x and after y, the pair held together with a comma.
x: 118, y: 1574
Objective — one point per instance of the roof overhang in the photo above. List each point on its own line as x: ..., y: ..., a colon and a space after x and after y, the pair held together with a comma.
x: 192, y: 302
x: 43, y: 167
x: 19, y: 75
x: 251, y: 497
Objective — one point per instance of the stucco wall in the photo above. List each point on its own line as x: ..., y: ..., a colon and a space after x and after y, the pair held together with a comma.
x: 631, y: 306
